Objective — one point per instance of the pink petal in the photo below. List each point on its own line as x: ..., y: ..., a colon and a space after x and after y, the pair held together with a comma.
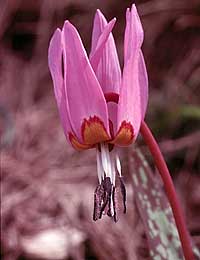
x: 108, y: 70
x: 112, y: 114
x: 96, y: 54
x: 55, y: 66
x: 86, y: 101
x: 134, y: 34
x: 134, y: 91
x: 143, y: 81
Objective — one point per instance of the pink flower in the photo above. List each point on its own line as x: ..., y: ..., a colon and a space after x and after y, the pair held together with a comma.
x: 81, y: 85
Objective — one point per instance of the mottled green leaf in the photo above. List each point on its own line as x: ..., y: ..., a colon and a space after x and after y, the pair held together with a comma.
x: 154, y: 209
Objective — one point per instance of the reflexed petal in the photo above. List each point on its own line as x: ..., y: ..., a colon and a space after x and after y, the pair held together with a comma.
x: 86, y: 103
x: 133, y: 93
x: 55, y: 66
x: 108, y: 71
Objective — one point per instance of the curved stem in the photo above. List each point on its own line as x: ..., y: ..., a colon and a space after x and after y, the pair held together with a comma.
x: 170, y: 190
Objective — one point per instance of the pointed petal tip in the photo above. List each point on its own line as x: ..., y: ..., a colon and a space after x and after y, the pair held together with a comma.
x: 133, y: 10
x: 66, y: 23
x: 133, y: 7
x: 112, y: 23
x: 55, y: 34
x: 99, y: 15
x: 114, y: 20
x: 98, y: 11
x: 69, y: 31
x: 54, y: 44
x: 57, y: 30
x: 127, y: 10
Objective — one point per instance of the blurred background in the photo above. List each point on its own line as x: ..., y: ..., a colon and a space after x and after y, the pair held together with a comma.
x: 47, y: 187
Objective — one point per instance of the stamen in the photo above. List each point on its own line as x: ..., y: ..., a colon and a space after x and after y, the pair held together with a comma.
x: 111, y: 205
x: 113, y: 168
x: 100, y: 171
x: 108, y: 164
x: 114, y: 205
x: 118, y: 164
x: 104, y: 159
x: 108, y: 193
x: 98, y: 198
x: 123, y: 192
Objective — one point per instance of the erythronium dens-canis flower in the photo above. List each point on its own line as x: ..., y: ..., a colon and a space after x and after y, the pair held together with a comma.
x: 81, y: 87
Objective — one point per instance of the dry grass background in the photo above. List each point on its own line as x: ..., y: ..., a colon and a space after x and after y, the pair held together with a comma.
x: 47, y: 187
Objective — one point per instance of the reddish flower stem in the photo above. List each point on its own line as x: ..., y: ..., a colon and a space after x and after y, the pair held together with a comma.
x: 170, y: 190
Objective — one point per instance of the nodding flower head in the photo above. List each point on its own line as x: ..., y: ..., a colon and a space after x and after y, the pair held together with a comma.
x: 82, y: 86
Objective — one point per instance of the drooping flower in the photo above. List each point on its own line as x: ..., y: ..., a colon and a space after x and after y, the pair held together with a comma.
x: 81, y: 85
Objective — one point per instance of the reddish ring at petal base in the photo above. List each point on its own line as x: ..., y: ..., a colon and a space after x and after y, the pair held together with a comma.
x: 76, y: 144
x: 125, y: 134
x: 94, y: 131
x: 111, y: 97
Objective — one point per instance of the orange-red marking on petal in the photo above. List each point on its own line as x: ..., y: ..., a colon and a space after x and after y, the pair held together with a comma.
x: 124, y: 135
x: 93, y: 131
x: 76, y: 144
